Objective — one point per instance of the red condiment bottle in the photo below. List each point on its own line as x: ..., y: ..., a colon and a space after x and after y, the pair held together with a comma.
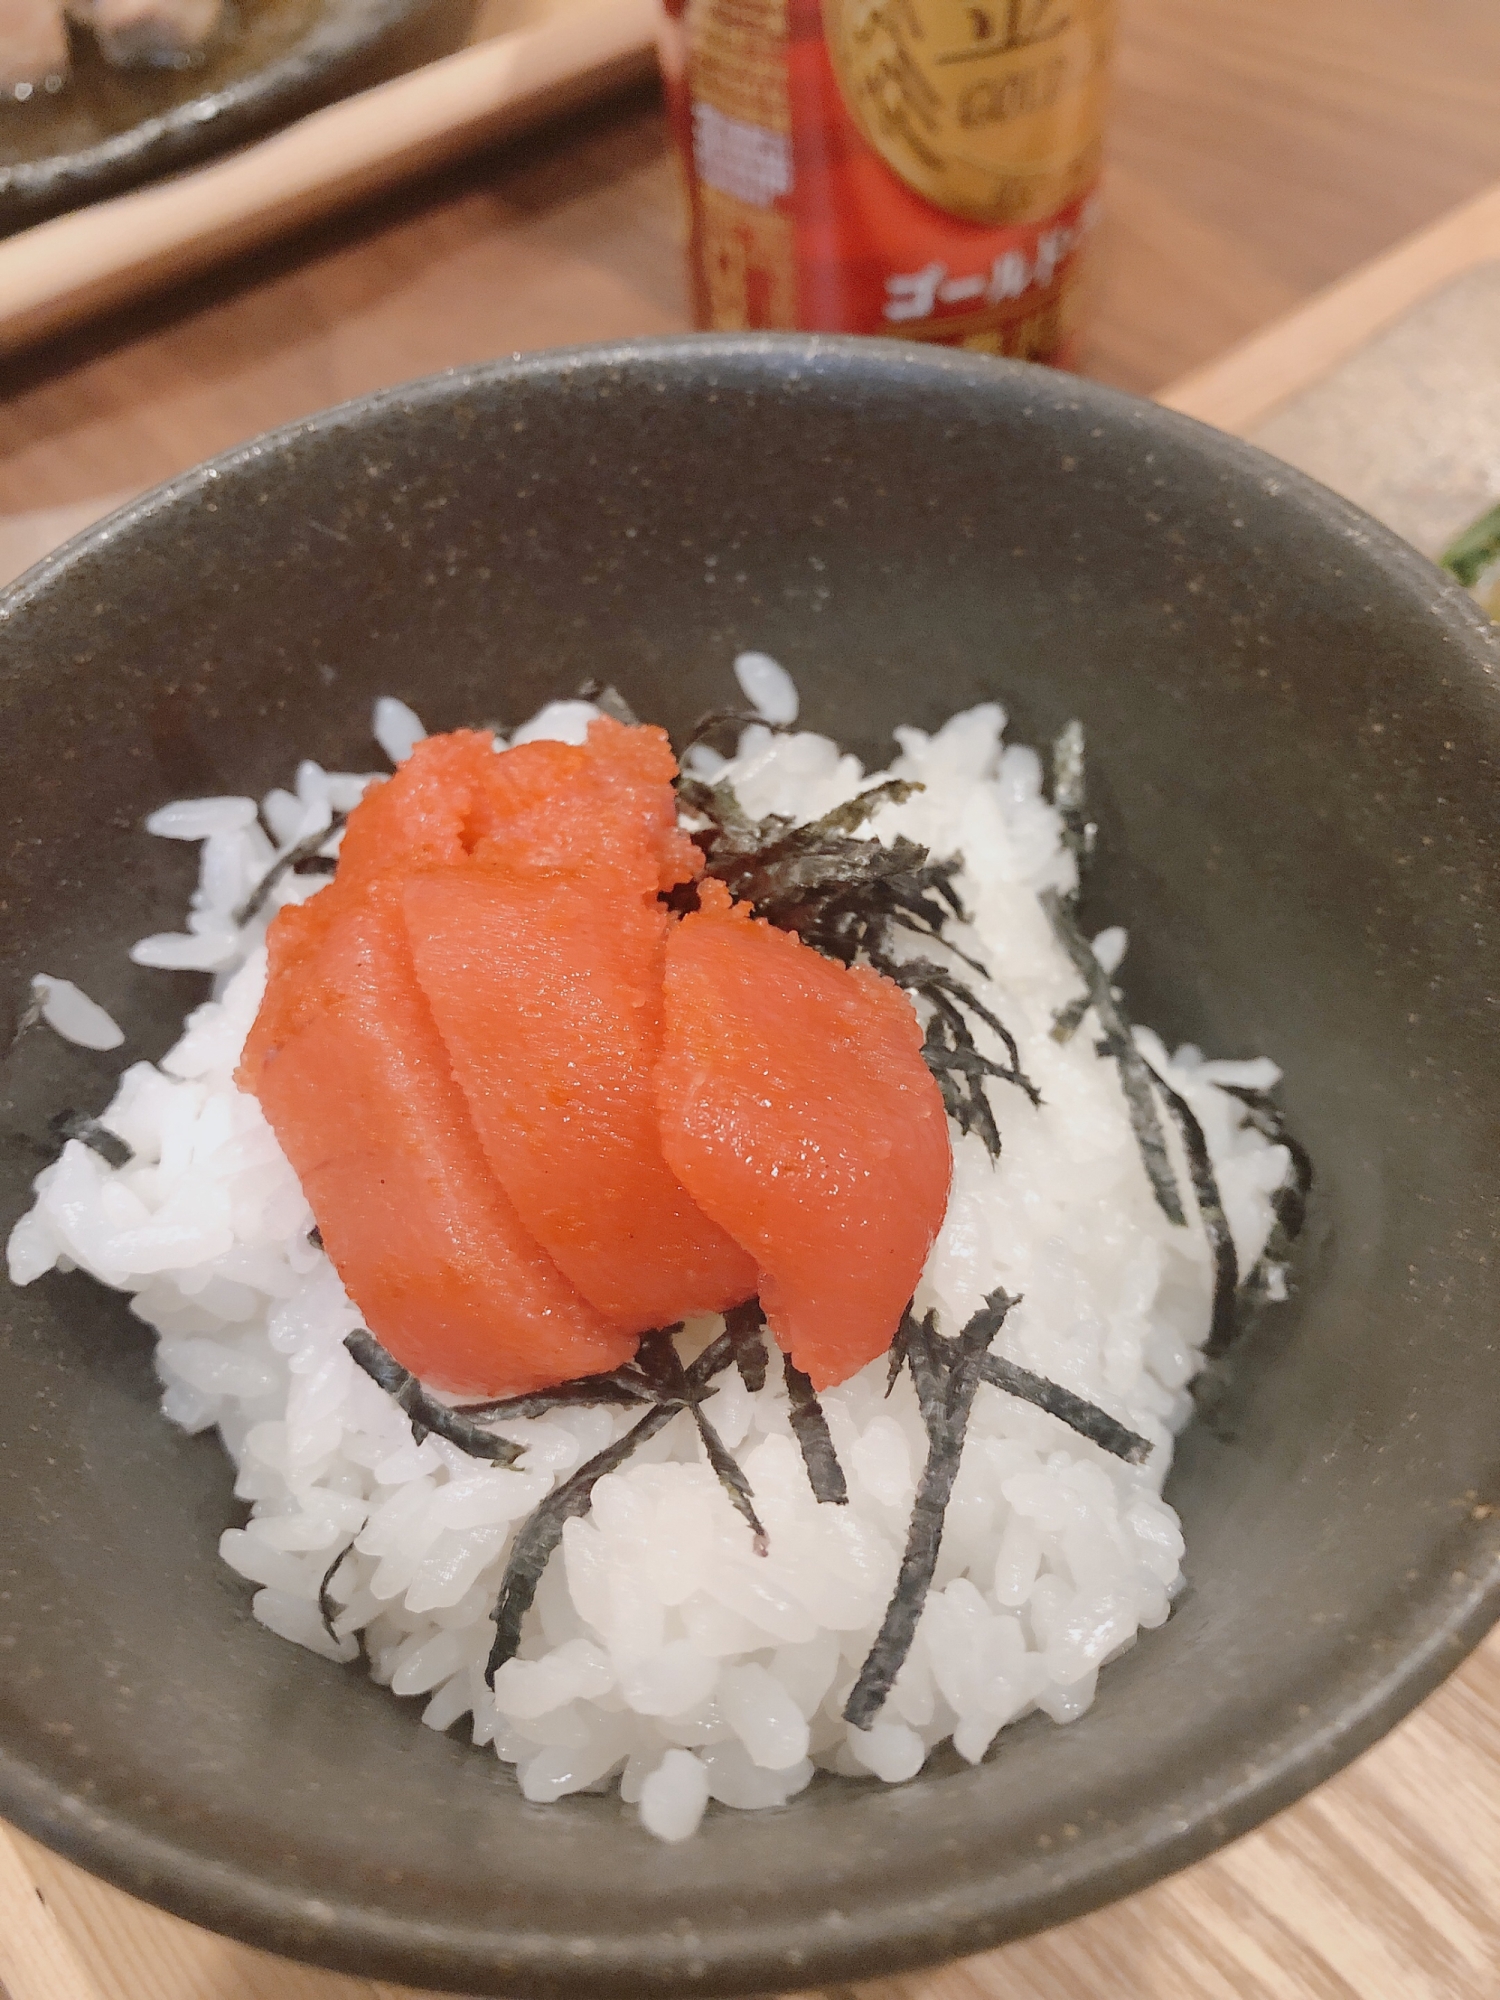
x: 923, y: 168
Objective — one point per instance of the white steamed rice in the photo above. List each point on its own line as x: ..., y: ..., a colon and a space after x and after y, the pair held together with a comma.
x: 661, y: 1652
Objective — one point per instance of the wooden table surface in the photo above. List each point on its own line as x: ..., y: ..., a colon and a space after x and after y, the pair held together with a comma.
x: 1260, y: 149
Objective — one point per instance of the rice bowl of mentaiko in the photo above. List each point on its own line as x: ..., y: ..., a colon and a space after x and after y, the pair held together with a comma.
x: 659, y: 1177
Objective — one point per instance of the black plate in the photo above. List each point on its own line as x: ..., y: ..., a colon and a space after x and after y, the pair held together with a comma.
x: 1296, y: 733
x: 108, y: 128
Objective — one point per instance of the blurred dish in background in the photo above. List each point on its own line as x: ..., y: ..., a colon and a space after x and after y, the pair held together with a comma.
x: 200, y: 75
x: 927, y: 169
x: 131, y: 34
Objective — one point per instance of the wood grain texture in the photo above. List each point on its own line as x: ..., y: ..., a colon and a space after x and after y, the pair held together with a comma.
x: 1262, y: 148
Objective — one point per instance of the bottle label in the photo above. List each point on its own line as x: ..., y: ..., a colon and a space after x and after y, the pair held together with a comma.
x: 992, y: 111
x: 921, y: 168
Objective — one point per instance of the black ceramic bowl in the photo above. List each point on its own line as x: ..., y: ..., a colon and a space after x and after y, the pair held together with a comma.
x: 1295, y: 730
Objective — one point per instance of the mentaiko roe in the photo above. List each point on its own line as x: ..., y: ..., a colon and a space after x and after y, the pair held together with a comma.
x: 357, y: 1086
x: 540, y: 955
x: 536, y: 1113
x: 796, y: 1107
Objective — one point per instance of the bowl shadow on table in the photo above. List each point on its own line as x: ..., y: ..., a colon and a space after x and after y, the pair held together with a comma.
x: 1278, y: 695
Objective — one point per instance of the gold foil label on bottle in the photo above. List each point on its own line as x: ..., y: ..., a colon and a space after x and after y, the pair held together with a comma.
x: 992, y: 111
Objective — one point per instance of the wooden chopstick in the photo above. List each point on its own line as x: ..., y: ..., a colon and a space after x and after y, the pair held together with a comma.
x: 98, y: 257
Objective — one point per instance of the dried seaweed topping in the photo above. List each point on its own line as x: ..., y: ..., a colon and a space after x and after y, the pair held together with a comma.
x: 325, y: 1600
x: 743, y: 1325
x: 896, y: 1360
x: 1077, y: 1412
x: 1289, y: 1202
x: 947, y: 1374
x: 957, y: 1066
x: 609, y: 701
x: 31, y: 1017
x: 110, y: 1147
x: 542, y: 1529
x: 708, y: 726
x: 425, y: 1412
x: 1068, y: 1020
x: 617, y: 1389
x: 1135, y: 1073
x: 294, y: 857
x: 810, y: 1428
x: 659, y: 1361
x: 1070, y: 795
x: 674, y: 1389
x: 849, y: 898
x: 1211, y: 1214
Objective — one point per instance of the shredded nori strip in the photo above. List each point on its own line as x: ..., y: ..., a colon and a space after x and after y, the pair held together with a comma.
x: 427, y: 1415
x: 1211, y: 1214
x: 1068, y: 1020
x: 325, y: 1601
x: 110, y: 1147
x: 896, y: 1360
x: 1080, y: 1415
x: 1135, y: 1072
x: 1289, y: 1202
x: 608, y: 698
x: 957, y: 1066
x: 616, y: 1389
x: 810, y: 1428
x: 735, y: 1484
x: 947, y: 1374
x: 743, y: 1325
x: 305, y: 850
x: 542, y: 1529
x: 315, y: 1237
x: 31, y: 1017
x: 1077, y: 1412
x: 724, y: 718
x: 1070, y: 794
x: 658, y: 1359
x: 679, y: 1389
x: 848, y: 898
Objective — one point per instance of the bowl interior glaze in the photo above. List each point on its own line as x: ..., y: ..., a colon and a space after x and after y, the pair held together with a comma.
x: 1294, y: 728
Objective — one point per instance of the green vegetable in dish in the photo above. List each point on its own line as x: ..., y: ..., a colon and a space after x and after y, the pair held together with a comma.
x: 1474, y: 558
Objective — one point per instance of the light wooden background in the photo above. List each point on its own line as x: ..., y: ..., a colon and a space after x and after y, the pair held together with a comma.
x: 1262, y: 148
